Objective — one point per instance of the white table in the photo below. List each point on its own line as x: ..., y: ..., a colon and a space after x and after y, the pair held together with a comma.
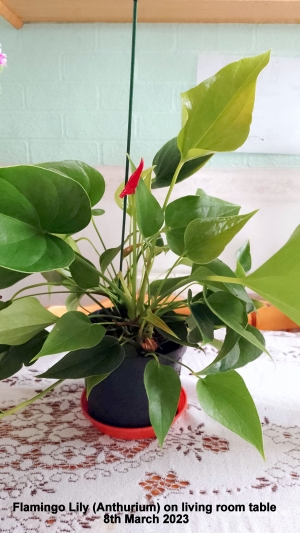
x: 50, y: 453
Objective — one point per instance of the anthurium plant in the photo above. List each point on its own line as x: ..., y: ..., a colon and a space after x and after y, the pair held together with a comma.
x: 42, y: 207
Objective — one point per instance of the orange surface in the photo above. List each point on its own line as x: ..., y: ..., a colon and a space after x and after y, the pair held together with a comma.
x: 270, y: 318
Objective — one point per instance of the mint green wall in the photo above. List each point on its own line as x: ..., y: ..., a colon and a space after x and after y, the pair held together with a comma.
x: 65, y: 90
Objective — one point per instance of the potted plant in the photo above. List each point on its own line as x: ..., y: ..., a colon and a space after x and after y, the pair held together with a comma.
x: 136, y: 344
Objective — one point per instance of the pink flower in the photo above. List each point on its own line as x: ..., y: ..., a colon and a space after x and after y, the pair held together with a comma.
x: 3, y: 58
x: 133, y: 181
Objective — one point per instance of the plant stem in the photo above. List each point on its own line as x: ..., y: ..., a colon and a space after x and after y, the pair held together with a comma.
x: 174, y: 179
x: 149, y: 264
x: 140, y: 332
x: 98, y: 233
x: 112, y: 284
x: 182, y: 364
x: 103, y: 244
x: 43, y: 293
x: 167, y: 275
x: 134, y: 257
x: 96, y: 301
x: 88, y: 240
x: 31, y: 400
x: 166, y: 294
x: 105, y: 315
x: 33, y: 287
x: 152, y: 250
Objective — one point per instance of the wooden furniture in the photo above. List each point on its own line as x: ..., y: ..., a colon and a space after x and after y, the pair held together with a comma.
x: 18, y: 12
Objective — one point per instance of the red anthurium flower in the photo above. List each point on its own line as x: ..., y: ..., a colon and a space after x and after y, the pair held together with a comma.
x: 133, y: 181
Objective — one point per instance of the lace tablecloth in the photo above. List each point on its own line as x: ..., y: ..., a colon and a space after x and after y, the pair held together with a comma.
x: 202, y: 480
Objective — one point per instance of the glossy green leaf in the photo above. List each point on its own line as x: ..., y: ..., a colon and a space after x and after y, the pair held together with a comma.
x: 14, y: 357
x: 181, y: 339
x: 200, y: 275
x: 10, y: 277
x: 108, y: 256
x: 146, y: 176
x: 34, y: 204
x: 206, y: 239
x: 182, y: 211
x: 72, y: 331
x: 231, y: 311
x: 149, y: 214
x: 204, y: 319
x: 175, y: 240
x: 72, y: 243
x: 227, y: 356
x: 216, y: 207
x: 72, y: 301
x: 243, y: 259
x: 194, y: 336
x: 167, y: 160
x: 177, y: 323
x: 100, y: 359
x: 236, y: 352
x: 249, y: 352
x: 98, y: 212
x: 278, y: 279
x: 119, y: 201
x: 84, y: 273
x: 88, y: 177
x: 227, y: 400
x: 163, y: 386
x: 168, y: 285
x: 22, y: 320
x: 92, y: 381
x: 179, y: 327
x: 53, y: 276
x: 221, y: 269
x: 3, y: 304
x: 219, y: 110
x: 158, y: 322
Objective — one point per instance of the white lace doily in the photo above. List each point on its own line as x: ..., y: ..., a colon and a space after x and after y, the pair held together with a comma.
x: 50, y: 453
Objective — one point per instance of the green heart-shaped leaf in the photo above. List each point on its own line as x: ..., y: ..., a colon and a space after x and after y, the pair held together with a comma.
x: 221, y: 269
x: 84, y: 272
x: 163, y: 386
x: 12, y: 358
x: 243, y: 258
x: 182, y: 211
x: 236, y: 352
x: 167, y: 160
x: 231, y: 311
x: 204, y: 319
x: 278, y: 279
x: 227, y: 400
x: 22, y: 320
x: 218, y: 111
x: 150, y: 216
x: 175, y: 240
x: 88, y: 177
x: 34, y: 204
x: 205, y: 239
x: 100, y: 359
x: 10, y: 277
x: 92, y: 381
x: 72, y: 331
x: 108, y: 256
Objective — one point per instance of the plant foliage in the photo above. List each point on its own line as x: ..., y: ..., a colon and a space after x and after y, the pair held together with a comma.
x: 43, y: 206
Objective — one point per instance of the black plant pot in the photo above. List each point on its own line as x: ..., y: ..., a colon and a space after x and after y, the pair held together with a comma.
x: 120, y: 400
